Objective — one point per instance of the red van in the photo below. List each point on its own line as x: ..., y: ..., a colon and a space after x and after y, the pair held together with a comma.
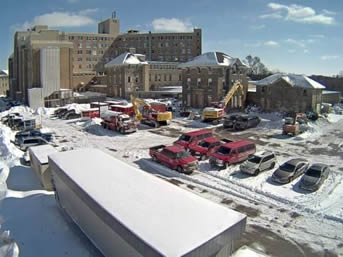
x: 231, y: 153
x: 193, y: 137
x: 204, y: 147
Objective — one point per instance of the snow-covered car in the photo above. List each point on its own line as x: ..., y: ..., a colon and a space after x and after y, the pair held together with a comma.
x: 259, y: 162
x: 31, y: 133
x: 314, y: 177
x: 32, y: 141
x: 290, y: 170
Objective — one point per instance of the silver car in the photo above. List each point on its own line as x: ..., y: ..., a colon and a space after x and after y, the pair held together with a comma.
x: 290, y: 170
x: 258, y: 162
x: 314, y: 177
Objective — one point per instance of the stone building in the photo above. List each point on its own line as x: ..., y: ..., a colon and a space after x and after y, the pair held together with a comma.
x: 288, y: 92
x: 131, y: 73
x: 83, y: 55
x: 209, y: 77
x: 4, y: 85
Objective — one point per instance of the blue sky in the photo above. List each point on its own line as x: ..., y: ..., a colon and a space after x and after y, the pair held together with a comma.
x: 299, y: 36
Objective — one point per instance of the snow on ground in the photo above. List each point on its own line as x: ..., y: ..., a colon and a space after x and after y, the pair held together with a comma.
x: 312, y: 220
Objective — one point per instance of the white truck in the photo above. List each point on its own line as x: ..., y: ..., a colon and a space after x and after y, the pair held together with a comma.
x: 125, y: 211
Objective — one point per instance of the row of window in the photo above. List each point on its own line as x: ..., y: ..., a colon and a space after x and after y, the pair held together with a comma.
x: 88, y: 59
x: 88, y: 66
x: 163, y: 67
x: 91, y: 38
x: 159, y: 45
x: 153, y: 37
x: 92, y: 45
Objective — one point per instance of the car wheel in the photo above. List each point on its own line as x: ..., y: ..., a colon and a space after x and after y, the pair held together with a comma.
x: 257, y: 172
x: 225, y: 166
x: 122, y: 131
x: 154, y: 158
x: 290, y: 179
x: 179, y: 169
x: 273, y: 165
x: 203, y: 157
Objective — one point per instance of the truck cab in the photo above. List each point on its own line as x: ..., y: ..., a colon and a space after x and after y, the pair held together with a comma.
x: 193, y: 137
x: 174, y: 157
x: 206, y: 146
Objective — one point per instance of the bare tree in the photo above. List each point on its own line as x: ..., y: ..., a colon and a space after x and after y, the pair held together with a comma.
x: 256, y: 67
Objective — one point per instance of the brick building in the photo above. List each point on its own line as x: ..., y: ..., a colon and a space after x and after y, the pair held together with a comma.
x: 4, y: 85
x: 209, y: 77
x: 289, y: 92
x: 131, y: 73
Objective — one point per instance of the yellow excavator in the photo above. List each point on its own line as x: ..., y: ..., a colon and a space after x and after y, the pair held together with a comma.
x: 153, y: 114
x: 217, y: 111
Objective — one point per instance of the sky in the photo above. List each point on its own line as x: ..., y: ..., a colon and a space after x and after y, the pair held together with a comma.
x: 298, y: 36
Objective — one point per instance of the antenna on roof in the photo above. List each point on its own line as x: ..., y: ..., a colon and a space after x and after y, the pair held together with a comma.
x: 114, y: 15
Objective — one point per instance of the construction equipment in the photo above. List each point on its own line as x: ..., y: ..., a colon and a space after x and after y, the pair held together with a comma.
x: 216, y: 112
x: 293, y: 122
x: 152, y: 114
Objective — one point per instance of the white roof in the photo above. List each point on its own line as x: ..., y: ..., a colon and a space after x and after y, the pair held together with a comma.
x: 212, y: 59
x: 41, y: 152
x: 125, y: 58
x: 294, y: 80
x: 4, y: 73
x: 171, y: 220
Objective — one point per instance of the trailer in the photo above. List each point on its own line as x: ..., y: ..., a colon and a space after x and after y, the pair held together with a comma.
x: 125, y: 109
x: 91, y: 113
x: 125, y: 211
x: 40, y: 164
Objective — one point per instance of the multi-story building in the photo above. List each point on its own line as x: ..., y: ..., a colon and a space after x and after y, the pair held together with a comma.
x: 131, y: 73
x: 4, y: 86
x: 209, y: 77
x: 170, y: 47
x: 83, y: 55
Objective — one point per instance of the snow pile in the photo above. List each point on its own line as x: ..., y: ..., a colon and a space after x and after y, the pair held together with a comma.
x: 45, y: 111
x: 337, y: 109
x: 78, y: 107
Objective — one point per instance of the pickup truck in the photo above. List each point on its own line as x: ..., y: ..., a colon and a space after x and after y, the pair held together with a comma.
x: 174, y: 157
x: 206, y: 146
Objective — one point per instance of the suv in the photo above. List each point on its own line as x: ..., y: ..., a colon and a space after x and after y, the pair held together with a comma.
x: 259, y: 162
x: 231, y: 153
x: 32, y: 141
x: 230, y: 120
x: 246, y: 121
x: 193, y: 137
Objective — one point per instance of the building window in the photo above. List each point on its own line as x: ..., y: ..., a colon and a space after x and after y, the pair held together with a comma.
x: 263, y: 89
x: 155, y: 77
x: 199, y: 81
x: 88, y: 51
x: 136, y: 79
x: 199, y: 70
x: 80, y: 66
x: 210, y: 82
x: 80, y: 45
x: 188, y: 81
x: 79, y: 59
x: 129, y: 79
x: 165, y: 77
x: 170, y: 77
x: 305, y: 92
x: 180, y: 77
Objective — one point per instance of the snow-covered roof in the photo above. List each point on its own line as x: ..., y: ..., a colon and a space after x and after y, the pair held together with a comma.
x: 41, y: 152
x: 170, y: 219
x: 126, y: 58
x: 212, y: 59
x: 3, y: 73
x: 294, y: 80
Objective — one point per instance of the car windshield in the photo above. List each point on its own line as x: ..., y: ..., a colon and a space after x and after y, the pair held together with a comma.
x: 313, y: 173
x: 287, y: 167
x: 126, y: 119
x: 223, y: 150
x: 204, y: 144
x: 182, y: 154
x: 185, y: 138
x: 255, y: 159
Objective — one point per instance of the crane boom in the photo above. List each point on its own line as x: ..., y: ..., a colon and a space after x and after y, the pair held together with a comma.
x: 231, y: 92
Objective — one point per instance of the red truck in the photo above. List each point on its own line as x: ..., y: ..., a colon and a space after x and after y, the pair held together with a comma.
x: 231, y: 153
x: 174, y: 157
x: 119, y: 122
x: 91, y: 113
x: 193, y: 137
x: 203, y: 148
x: 126, y: 109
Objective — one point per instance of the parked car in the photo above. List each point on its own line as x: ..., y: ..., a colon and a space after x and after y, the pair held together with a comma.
x: 174, y: 157
x: 314, y: 177
x: 71, y: 114
x: 193, y: 137
x: 19, y: 136
x: 231, y: 153
x: 201, y: 149
x: 259, y: 162
x: 61, y: 112
x: 230, y: 120
x: 32, y: 141
x: 290, y: 170
x: 246, y: 122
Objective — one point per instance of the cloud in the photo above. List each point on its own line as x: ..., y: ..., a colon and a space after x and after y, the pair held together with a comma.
x: 272, y: 43
x: 329, y: 57
x: 258, y: 27
x: 171, y: 25
x: 300, y: 14
x: 300, y: 43
x: 60, y: 19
